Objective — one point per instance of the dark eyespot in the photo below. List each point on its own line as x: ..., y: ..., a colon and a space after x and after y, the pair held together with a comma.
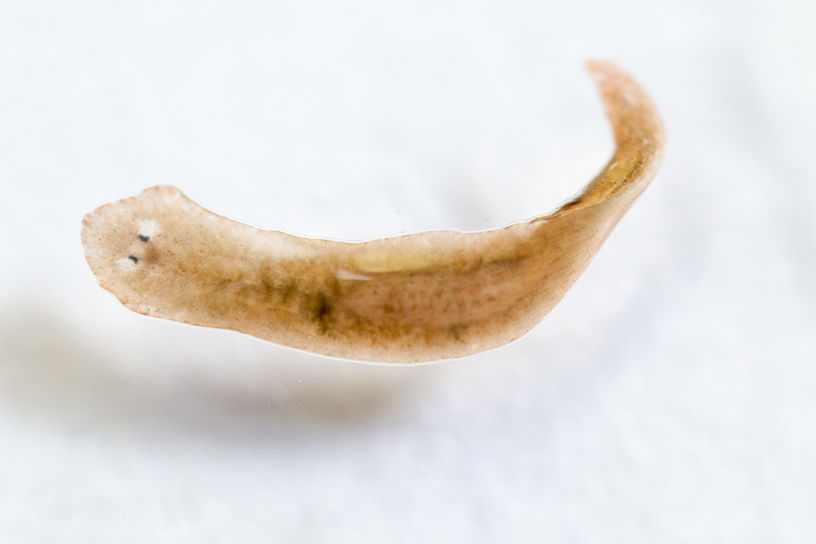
x: 132, y: 258
x: 144, y: 238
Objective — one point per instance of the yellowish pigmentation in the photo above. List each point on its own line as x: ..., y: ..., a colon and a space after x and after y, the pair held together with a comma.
x: 420, y: 297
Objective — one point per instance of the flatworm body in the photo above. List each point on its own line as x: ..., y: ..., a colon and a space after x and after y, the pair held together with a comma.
x: 419, y: 297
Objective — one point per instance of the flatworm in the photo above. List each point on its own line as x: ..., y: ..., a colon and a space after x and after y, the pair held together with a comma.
x: 419, y: 297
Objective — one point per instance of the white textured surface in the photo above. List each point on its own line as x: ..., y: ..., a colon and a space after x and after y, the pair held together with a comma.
x: 671, y: 397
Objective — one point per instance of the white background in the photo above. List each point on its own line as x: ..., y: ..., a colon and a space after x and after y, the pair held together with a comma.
x: 671, y: 396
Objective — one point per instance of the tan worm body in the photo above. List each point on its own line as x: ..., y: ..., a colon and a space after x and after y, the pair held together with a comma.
x: 420, y: 297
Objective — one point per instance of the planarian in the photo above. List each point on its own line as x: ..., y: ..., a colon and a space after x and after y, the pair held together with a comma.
x: 419, y: 297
